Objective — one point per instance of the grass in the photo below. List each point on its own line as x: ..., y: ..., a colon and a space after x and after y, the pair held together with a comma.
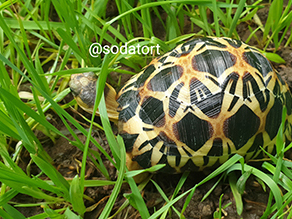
x: 34, y: 35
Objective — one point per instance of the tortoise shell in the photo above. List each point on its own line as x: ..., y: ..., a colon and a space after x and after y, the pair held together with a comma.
x: 201, y: 103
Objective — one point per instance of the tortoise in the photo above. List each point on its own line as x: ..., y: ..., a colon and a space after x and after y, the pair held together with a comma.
x: 196, y: 106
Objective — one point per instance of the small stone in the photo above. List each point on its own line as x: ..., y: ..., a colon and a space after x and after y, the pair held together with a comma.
x: 206, y: 211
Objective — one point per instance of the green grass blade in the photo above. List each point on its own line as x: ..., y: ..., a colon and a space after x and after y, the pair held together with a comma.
x: 160, y: 191
x: 7, y: 196
x: 26, y: 62
x: 98, y: 31
x: 240, y: 184
x: 53, y: 174
x: 203, y: 22
x: 236, y: 193
x: 174, y: 194
x: 145, y: 15
x: 7, y: 4
x: 5, y: 215
x: 12, y: 100
x: 169, y: 204
x: 236, y: 17
x: 285, y: 181
x: 7, y: 127
x: 180, y: 183
x: 13, y: 212
x: 52, y: 213
x: 76, y: 196
x: 275, y: 12
x: 68, y: 39
x: 225, y: 166
x: 31, y: 25
x: 45, y: 215
x: 69, y: 214
x: 264, y: 177
x: 137, y: 199
x: 273, y: 57
x: 213, y: 187
x: 17, y: 181
x: 215, y: 17
x: 103, y: 113
x: 97, y: 183
x: 7, y: 160
x: 108, y: 207
x: 132, y: 173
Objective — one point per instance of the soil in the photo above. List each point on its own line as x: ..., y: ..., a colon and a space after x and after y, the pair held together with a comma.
x: 67, y: 159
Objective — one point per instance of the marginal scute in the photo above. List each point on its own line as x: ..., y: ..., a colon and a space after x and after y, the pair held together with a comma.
x: 162, y: 59
x: 234, y: 43
x: 143, y: 77
x: 186, y: 151
x: 229, y: 148
x: 128, y: 97
x: 217, y: 148
x: 263, y: 97
x: 190, y: 45
x: 241, y: 126
x: 258, y: 141
x: 274, y: 118
x: 288, y: 102
x: 258, y: 61
x: 144, y: 159
x: 129, y: 112
x: 130, y: 85
x: 277, y: 89
x: 129, y: 140
x: 206, y: 42
x: 167, y: 168
x: 129, y: 102
x: 280, y: 79
x: 206, y: 160
x: 168, y: 147
x: 189, y: 166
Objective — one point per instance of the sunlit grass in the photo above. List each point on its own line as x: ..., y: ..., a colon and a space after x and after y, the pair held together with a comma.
x: 60, y: 33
